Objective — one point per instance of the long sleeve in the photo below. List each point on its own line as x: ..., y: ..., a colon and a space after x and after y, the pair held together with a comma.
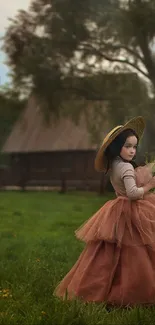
x: 128, y: 176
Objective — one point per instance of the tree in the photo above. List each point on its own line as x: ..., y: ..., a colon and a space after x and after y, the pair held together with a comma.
x: 10, y: 108
x: 56, y: 41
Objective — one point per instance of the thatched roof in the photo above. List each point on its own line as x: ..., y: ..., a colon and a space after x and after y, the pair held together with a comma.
x: 31, y: 134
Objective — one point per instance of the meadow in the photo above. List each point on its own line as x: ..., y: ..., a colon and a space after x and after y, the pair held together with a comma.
x: 37, y: 248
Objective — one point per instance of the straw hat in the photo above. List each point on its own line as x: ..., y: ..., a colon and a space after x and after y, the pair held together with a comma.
x: 136, y: 124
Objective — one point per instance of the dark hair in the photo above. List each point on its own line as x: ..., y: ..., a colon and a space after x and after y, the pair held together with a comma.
x: 114, y: 149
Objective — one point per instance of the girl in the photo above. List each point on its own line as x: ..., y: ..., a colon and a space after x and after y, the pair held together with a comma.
x: 117, y: 265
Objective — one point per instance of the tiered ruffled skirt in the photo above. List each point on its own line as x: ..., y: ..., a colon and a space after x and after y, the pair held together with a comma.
x: 117, y: 265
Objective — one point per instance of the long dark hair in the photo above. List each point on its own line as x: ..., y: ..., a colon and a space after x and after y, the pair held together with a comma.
x: 114, y: 149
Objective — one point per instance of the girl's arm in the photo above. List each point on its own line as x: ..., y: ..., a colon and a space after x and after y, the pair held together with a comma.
x: 134, y: 192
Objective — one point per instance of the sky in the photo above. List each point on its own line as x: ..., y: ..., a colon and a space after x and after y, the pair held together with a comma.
x: 8, y: 10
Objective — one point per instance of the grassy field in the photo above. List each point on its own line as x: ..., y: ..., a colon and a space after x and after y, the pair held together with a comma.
x: 37, y: 248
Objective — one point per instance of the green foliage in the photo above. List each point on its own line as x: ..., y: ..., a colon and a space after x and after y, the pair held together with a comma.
x: 10, y: 108
x: 56, y: 39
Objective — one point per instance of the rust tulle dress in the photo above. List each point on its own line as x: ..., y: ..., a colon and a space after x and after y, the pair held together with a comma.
x: 117, y: 265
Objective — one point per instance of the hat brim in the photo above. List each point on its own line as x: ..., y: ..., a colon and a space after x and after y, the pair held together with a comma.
x: 136, y: 124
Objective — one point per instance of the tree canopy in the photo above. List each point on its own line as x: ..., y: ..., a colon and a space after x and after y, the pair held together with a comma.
x: 55, y: 38
x: 10, y: 109
x: 57, y: 42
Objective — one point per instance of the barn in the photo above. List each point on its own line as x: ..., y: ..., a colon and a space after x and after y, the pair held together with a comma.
x: 58, y: 154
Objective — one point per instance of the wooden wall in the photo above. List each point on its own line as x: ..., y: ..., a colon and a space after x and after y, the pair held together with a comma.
x: 71, y: 169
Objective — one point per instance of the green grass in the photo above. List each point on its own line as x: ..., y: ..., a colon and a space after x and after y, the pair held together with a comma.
x: 37, y: 248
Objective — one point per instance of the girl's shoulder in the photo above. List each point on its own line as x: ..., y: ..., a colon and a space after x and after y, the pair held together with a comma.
x: 119, y: 164
x: 122, y: 168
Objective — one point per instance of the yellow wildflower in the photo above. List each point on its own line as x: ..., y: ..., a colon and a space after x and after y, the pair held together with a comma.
x: 38, y: 259
x: 5, y: 295
x: 43, y: 312
x: 5, y: 290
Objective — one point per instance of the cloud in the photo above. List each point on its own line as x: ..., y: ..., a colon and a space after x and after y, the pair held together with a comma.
x: 9, y: 10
